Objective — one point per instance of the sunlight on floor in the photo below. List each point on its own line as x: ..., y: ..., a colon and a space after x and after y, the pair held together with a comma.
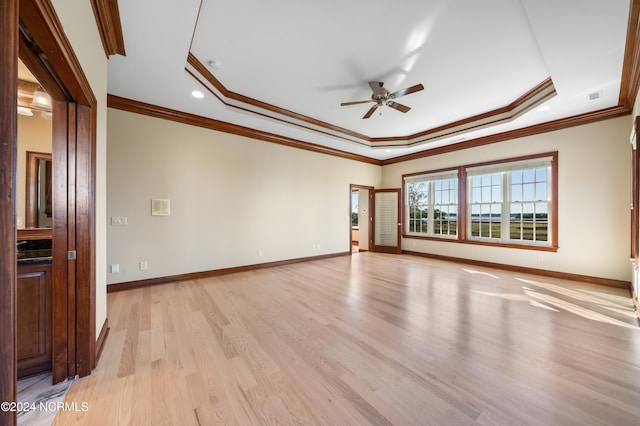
x: 553, y: 297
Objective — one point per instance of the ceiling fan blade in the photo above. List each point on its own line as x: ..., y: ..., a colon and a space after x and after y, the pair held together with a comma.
x: 355, y: 103
x: 399, y: 107
x: 371, y: 111
x: 407, y: 91
x: 376, y: 87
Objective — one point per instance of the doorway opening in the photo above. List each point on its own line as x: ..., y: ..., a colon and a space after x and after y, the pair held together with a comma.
x: 34, y: 222
x: 360, y: 207
x: 29, y: 28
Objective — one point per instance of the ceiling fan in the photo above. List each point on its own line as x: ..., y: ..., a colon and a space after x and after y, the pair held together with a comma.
x: 382, y: 96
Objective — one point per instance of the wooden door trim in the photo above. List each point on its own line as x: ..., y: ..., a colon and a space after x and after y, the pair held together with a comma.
x: 79, y: 139
x: 352, y: 187
x: 8, y: 152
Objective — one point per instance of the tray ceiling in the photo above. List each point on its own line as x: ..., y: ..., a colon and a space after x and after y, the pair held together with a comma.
x: 285, y: 66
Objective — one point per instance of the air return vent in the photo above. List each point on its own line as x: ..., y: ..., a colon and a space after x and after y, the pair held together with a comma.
x: 595, y: 95
x: 160, y: 207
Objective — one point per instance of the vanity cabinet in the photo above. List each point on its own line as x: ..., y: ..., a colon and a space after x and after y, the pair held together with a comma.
x: 34, y: 318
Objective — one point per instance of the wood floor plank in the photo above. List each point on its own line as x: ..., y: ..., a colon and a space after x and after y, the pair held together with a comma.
x: 366, y: 339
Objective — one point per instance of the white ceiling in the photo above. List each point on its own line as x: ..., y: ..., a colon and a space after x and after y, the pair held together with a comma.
x: 307, y: 57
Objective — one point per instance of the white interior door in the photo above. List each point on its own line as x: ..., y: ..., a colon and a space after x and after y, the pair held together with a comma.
x: 386, y: 221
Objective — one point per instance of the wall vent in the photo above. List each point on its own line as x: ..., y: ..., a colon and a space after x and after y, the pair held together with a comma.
x: 160, y: 207
x: 595, y: 95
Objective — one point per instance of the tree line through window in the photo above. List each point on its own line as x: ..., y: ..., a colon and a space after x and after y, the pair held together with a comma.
x: 507, y: 201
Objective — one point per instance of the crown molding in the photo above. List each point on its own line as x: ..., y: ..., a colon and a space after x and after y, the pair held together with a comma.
x: 630, y: 80
x: 529, y: 100
x: 550, y: 126
x: 108, y: 20
x: 630, y: 85
x: 155, y: 111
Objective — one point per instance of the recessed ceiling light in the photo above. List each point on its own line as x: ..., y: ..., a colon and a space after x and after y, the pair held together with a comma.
x: 387, y: 150
x: 214, y: 64
x: 197, y: 94
x: 543, y: 108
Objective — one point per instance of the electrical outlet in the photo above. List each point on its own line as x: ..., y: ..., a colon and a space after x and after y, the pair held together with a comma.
x: 260, y: 253
x: 143, y: 265
x: 19, y: 221
x: 541, y: 258
x: 115, y: 268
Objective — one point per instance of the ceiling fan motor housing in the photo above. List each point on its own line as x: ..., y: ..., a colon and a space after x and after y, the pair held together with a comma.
x: 382, y: 97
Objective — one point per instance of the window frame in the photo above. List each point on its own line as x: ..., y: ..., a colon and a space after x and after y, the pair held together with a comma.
x: 430, y: 178
x: 464, y: 208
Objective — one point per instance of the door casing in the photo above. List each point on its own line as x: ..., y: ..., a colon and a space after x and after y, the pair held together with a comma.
x: 74, y: 139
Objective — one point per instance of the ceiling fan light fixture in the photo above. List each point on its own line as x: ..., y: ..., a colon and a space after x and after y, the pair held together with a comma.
x: 41, y: 100
x: 25, y: 111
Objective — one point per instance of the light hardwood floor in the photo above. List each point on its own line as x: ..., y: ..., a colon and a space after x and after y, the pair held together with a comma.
x: 366, y: 339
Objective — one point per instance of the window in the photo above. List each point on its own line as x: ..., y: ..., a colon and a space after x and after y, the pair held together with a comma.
x: 529, y: 212
x: 511, y: 202
x: 431, y: 204
x: 486, y: 205
x: 355, y: 195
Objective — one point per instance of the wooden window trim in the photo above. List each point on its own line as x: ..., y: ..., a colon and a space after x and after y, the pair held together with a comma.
x: 463, y: 231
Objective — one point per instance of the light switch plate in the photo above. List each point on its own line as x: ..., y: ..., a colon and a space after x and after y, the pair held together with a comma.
x: 119, y: 221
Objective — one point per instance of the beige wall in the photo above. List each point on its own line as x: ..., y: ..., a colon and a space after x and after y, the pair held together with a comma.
x: 594, y: 196
x: 636, y: 112
x: 234, y: 201
x: 233, y: 198
x: 34, y: 134
x: 80, y: 27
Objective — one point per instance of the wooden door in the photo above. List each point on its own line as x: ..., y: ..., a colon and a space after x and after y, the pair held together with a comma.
x: 386, y: 221
x: 34, y: 318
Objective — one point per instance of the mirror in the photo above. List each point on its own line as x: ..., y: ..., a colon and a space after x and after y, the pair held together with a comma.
x: 34, y: 196
x: 38, y: 190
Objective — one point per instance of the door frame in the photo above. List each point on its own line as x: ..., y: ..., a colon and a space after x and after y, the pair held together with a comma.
x: 388, y: 249
x: 353, y: 187
x: 74, y: 142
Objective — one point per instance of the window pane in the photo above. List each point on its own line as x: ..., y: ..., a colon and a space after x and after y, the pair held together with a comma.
x: 486, y: 180
x: 515, y: 231
x: 542, y: 233
x: 496, y: 194
x: 541, y: 191
x: 528, y: 175
x: 486, y: 193
x: 541, y: 174
x: 516, y: 177
x: 542, y: 212
x: 528, y: 192
x: 476, y: 195
x: 496, y: 178
x: 516, y: 192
